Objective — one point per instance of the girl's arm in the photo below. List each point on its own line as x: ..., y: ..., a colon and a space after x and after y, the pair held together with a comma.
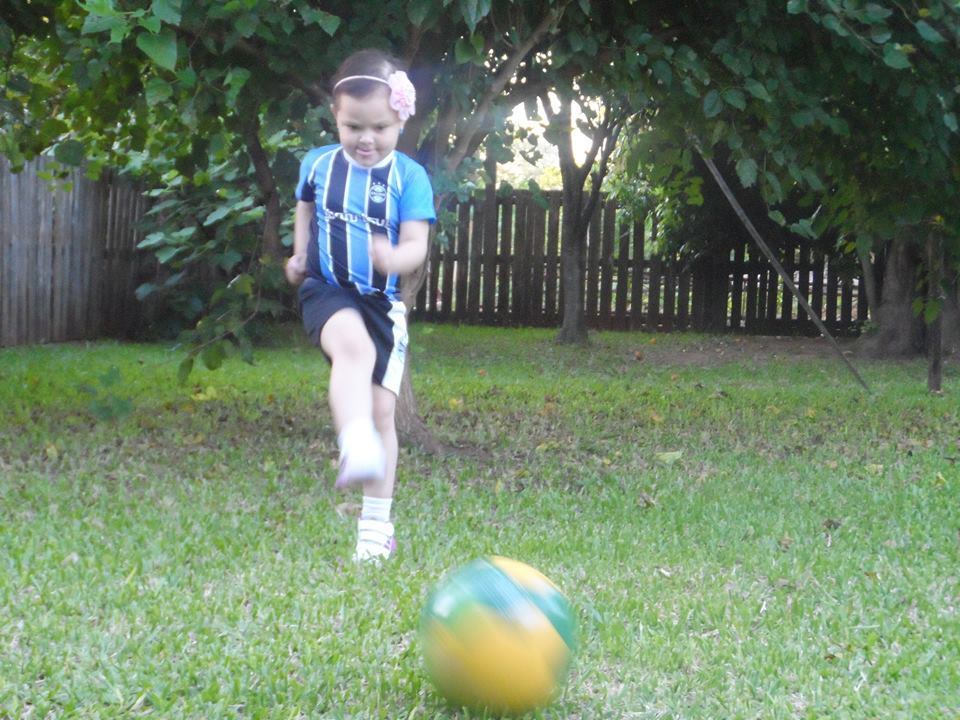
x: 408, y: 254
x: 296, y: 267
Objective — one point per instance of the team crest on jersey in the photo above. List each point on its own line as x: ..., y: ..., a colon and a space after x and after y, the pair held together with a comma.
x: 378, y: 192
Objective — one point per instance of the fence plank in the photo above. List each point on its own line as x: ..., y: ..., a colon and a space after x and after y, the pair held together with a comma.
x: 475, y: 258
x: 736, y: 288
x: 504, y: 258
x: 636, y: 280
x: 608, y: 230
x: 461, y: 260
x: 58, y: 281
x: 831, y: 299
x: 622, y: 231
x: 489, y: 270
x: 552, y: 261
x: 538, y: 235
x: 653, y: 301
x: 682, y: 320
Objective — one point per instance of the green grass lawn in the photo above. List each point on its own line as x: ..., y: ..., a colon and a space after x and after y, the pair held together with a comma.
x: 742, y: 535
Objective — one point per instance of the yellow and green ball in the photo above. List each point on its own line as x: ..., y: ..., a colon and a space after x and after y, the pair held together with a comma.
x: 498, y: 634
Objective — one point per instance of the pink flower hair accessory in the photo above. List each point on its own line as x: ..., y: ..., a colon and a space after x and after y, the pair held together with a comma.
x: 403, y: 96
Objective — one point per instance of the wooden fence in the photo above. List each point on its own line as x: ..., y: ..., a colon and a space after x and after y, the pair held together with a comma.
x: 68, y: 266
x: 69, y: 269
x: 503, y: 268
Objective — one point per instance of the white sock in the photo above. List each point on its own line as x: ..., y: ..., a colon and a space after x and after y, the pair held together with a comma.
x: 376, y: 508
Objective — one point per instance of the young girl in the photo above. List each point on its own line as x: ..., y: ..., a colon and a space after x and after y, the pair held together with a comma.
x: 362, y: 220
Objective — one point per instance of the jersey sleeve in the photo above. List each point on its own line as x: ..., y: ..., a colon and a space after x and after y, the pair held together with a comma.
x: 416, y: 200
x: 305, y: 188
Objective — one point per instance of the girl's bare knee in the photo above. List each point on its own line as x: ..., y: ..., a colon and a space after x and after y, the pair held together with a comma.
x: 384, y: 410
x: 345, y: 337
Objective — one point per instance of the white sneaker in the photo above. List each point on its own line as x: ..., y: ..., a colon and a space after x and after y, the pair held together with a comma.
x: 362, y: 457
x: 375, y: 540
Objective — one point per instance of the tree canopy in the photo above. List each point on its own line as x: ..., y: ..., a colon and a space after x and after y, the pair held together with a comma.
x: 842, y: 115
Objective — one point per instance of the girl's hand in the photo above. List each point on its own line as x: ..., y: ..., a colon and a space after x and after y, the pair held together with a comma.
x: 296, y: 269
x: 382, y: 254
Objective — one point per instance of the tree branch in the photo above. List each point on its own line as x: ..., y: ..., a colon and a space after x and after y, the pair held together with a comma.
x: 266, y: 184
x: 503, y: 76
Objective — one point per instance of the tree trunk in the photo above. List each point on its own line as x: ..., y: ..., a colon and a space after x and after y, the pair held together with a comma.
x: 935, y: 326
x: 266, y: 184
x: 900, y: 332
x: 869, y: 279
x: 411, y: 428
x: 573, y: 329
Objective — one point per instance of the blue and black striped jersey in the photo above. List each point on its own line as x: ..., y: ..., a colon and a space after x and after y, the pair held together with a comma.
x: 352, y: 204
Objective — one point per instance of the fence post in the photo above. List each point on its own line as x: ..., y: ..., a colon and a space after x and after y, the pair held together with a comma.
x: 505, y: 260
x: 636, y: 288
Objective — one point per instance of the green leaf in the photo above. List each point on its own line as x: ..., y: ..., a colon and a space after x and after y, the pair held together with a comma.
x: 100, y: 7
x: 327, y: 22
x: 221, y: 212
x: 167, y: 253
x: 229, y: 259
x: 795, y: 7
x: 774, y: 182
x: 151, y: 23
x: 93, y: 24
x: 154, y: 239
x: 874, y: 13
x: 243, y: 343
x: 747, y: 171
x: 145, y: 290
x: 736, y: 98
x: 712, y: 104
x: 418, y: 11
x: 463, y: 51
x: 931, y: 310
x: 161, y: 48
x: 777, y: 217
x: 832, y: 23
x: 950, y: 120
x: 167, y: 10
x: 813, y: 180
x: 187, y: 77
x: 662, y: 72
x: 243, y: 284
x: 184, y: 370
x: 213, y: 355
x: 235, y: 80
x: 802, y: 118
x: 928, y: 32
x: 895, y: 57
x: 757, y: 89
x: 70, y: 152
x: 157, y: 91
x: 19, y: 83
x: 805, y: 228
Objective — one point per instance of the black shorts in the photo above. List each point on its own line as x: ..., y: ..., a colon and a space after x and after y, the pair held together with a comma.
x: 386, y: 324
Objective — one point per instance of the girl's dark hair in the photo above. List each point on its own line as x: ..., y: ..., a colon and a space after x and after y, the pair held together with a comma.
x: 364, y: 62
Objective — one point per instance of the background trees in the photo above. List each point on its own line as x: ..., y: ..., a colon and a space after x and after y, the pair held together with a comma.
x: 839, y: 116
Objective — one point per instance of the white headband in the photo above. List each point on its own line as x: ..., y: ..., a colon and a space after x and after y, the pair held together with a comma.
x: 403, y: 96
x: 360, y: 77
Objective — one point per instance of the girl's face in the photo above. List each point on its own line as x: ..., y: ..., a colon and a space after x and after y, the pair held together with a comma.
x: 368, y: 126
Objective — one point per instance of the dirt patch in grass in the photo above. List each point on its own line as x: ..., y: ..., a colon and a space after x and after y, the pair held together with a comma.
x: 754, y: 349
